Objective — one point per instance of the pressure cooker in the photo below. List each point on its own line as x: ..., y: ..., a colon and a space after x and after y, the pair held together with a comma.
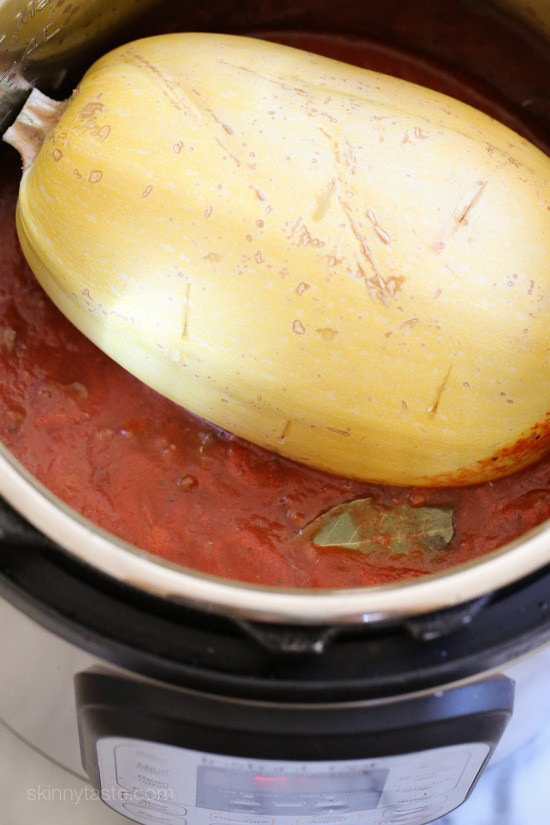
x: 188, y: 698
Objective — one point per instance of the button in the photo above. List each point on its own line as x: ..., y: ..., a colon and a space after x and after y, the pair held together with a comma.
x: 330, y: 819
x: 244, y: 804
x: 407, y: 815
x: 412, y: 819
x: 241, y: 819
x: 146, y: 816
x: 155, y: 808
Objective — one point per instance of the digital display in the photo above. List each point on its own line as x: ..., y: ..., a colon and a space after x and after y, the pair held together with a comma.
x: 289, y: 793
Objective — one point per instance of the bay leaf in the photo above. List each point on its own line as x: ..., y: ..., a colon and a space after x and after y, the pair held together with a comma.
x: 368, y: 527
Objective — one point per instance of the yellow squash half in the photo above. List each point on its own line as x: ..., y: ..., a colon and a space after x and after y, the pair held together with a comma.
x: 345, y: 268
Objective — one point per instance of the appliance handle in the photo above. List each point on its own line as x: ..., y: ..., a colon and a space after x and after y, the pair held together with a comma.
x: 299, y: 640
x: 417, y: 756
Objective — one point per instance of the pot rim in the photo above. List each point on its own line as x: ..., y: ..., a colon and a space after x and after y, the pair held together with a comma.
x: 382, y: 603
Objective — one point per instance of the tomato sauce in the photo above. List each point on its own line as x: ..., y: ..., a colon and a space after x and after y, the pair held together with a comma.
x: 148, y: 471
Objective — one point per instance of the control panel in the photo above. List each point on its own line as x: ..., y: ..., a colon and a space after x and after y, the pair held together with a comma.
x: 156, y: 783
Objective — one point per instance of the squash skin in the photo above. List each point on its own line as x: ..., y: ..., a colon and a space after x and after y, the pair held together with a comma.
x: 346, y: 269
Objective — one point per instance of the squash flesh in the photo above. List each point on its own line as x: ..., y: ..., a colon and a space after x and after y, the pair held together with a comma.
x: 341, y: 267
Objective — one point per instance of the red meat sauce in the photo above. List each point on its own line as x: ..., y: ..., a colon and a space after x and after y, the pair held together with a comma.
x: 151, y: 473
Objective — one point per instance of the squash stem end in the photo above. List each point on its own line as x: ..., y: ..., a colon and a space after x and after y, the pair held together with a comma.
x: 37, y: 117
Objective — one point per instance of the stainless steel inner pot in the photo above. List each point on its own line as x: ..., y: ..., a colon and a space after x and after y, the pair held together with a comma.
x: 499, y: 44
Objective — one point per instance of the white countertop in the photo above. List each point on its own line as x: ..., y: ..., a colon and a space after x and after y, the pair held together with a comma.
x: 34, y: 791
